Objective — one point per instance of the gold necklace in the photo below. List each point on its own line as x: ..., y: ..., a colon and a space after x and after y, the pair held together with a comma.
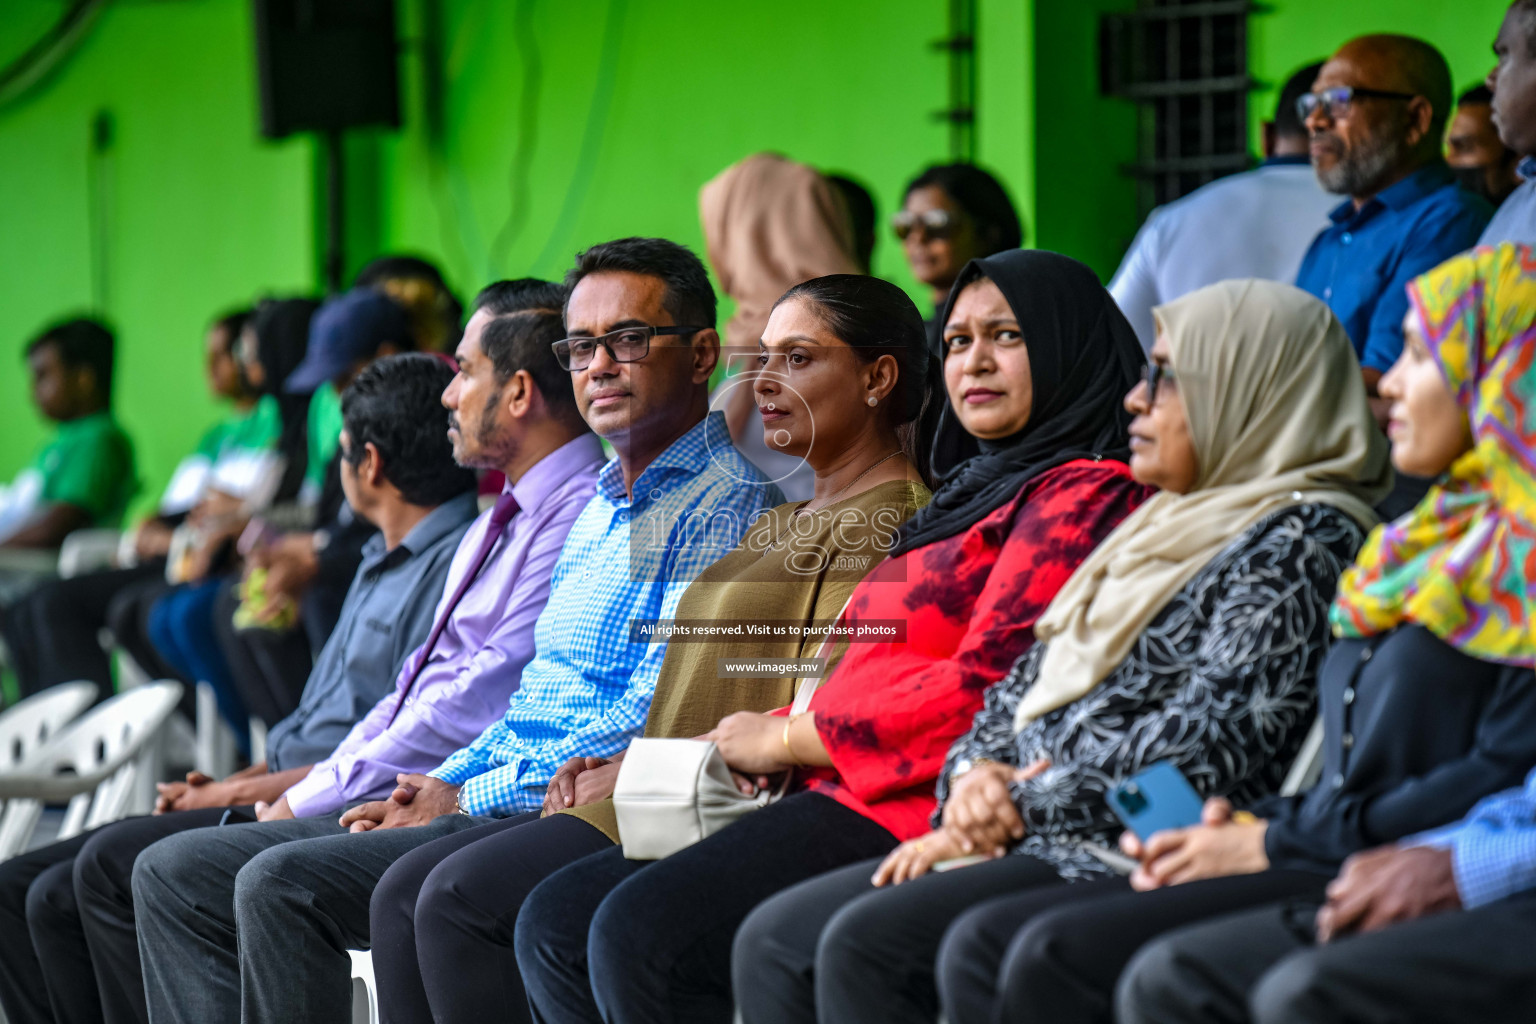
x: 807, y: 510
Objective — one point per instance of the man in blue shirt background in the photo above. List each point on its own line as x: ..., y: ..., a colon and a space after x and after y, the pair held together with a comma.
x: 1376, y: 116
x: 1513, y: 82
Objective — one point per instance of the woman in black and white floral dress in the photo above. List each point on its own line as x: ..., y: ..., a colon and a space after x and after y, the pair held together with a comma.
x: 1192, y: 636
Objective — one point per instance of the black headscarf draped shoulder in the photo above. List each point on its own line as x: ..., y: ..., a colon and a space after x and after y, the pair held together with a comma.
x: 1083, y: 358
x: 282, y: 338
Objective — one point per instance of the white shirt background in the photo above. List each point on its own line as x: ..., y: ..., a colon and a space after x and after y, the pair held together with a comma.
x: 1255, y: 224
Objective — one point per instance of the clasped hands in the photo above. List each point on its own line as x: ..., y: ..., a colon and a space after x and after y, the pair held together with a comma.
x: 199, y: 790
x: 744, y: 740
x: 979, y: 819
x: 1388, y: 885
x: 581, y: 780
x: 416, y: 800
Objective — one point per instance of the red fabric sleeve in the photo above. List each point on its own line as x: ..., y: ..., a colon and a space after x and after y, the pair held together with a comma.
x: 887, y: 734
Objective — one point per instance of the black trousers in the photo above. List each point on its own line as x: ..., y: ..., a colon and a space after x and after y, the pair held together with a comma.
x: 454, y: 903
x: 625, y: 941
x: 1263, y: 966
x: 68, y: 949
x: 835, y: 948
x: 52, y: 631
x: 1054, y: 955
x: 36, y: 887
x: 269, y: 666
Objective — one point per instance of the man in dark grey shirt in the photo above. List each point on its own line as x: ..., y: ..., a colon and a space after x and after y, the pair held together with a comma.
x: 399, y: 473
x: 387, y: 614
x: 403, y: 479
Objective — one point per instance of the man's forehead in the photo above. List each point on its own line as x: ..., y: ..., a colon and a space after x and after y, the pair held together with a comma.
x: 1366, y: 64
x: 603, y: 299
x: 469, y: 344
x: 1514, y: 21
x: 1341, y: 70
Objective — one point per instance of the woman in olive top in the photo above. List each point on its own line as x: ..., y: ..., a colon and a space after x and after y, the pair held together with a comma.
x: 842, y: 365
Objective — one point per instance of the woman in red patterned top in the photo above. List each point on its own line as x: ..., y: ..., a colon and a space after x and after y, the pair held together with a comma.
x: 1031, y: 462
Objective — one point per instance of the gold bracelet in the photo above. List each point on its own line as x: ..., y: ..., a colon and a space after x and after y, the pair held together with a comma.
x: 789, y: 721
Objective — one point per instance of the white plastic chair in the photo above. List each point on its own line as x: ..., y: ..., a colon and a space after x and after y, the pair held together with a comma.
x: 365, y: 995
x: 214, y: 753
x: 36, y: 561
x: 91, y: 764
x: 26, y: 727
x: 258, y: 739
x: 89, y: 550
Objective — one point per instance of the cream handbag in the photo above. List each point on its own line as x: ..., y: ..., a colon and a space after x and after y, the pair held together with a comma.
x: 672, y: 793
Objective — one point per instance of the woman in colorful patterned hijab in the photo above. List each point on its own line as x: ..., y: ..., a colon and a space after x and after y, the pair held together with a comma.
x: 1462, y: 563
x: 1426, y: 697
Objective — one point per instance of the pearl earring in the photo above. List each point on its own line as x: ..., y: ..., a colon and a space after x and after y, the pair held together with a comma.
x: 873, y: 401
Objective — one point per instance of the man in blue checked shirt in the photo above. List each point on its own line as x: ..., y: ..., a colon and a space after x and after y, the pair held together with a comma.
x: 642, y: 346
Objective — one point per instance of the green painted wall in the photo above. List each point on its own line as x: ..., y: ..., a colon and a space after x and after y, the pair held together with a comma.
x: 1086, y: 208
x: 199, y: 214
x: 504, y: 171
x: 634, y: 104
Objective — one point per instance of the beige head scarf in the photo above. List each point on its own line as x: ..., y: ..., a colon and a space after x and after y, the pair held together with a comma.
x: 1278, y: 416
x: 769, y: 224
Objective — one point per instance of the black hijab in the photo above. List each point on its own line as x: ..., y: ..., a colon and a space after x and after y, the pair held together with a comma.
x: 282, y: 338
x: 1083, y: 358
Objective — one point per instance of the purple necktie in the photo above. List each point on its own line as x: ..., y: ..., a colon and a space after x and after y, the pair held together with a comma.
x: 506, y: 507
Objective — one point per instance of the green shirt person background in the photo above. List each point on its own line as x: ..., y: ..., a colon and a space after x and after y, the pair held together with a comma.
x: 85, y: 475
x: 324, y: 432
x: 234, y: 458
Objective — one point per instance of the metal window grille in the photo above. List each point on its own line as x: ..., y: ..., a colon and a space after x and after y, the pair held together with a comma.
x: 959, y: 47
x: 1185, y: 62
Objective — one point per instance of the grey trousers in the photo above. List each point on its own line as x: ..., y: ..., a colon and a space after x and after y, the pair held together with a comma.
x: 1263, y: 966
x: 292, y: 898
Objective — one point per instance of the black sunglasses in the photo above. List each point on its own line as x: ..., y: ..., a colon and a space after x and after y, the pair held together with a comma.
x: 1153, y: 375
x: 1336, y: 102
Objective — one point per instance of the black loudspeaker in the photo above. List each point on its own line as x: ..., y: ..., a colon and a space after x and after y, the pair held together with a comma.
x: 326, y: 65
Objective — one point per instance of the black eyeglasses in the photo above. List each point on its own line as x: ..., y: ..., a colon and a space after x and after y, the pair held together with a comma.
x: 1336, y: 102
x: 1153, y: 375
x: 935, y: 223
x: 626, y: 345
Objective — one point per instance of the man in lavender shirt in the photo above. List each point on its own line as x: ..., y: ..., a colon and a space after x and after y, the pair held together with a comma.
x: 512, y: 409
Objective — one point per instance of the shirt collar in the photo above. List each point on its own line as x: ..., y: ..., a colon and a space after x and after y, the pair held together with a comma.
x: 87, y: 421
x: 689, y: 453
x: 1293, y: 160
x: 1416, y: 186
x: 1527, y: 168
x: 436, y: 524
x: 554, y: 469
x: 1399, y: 196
